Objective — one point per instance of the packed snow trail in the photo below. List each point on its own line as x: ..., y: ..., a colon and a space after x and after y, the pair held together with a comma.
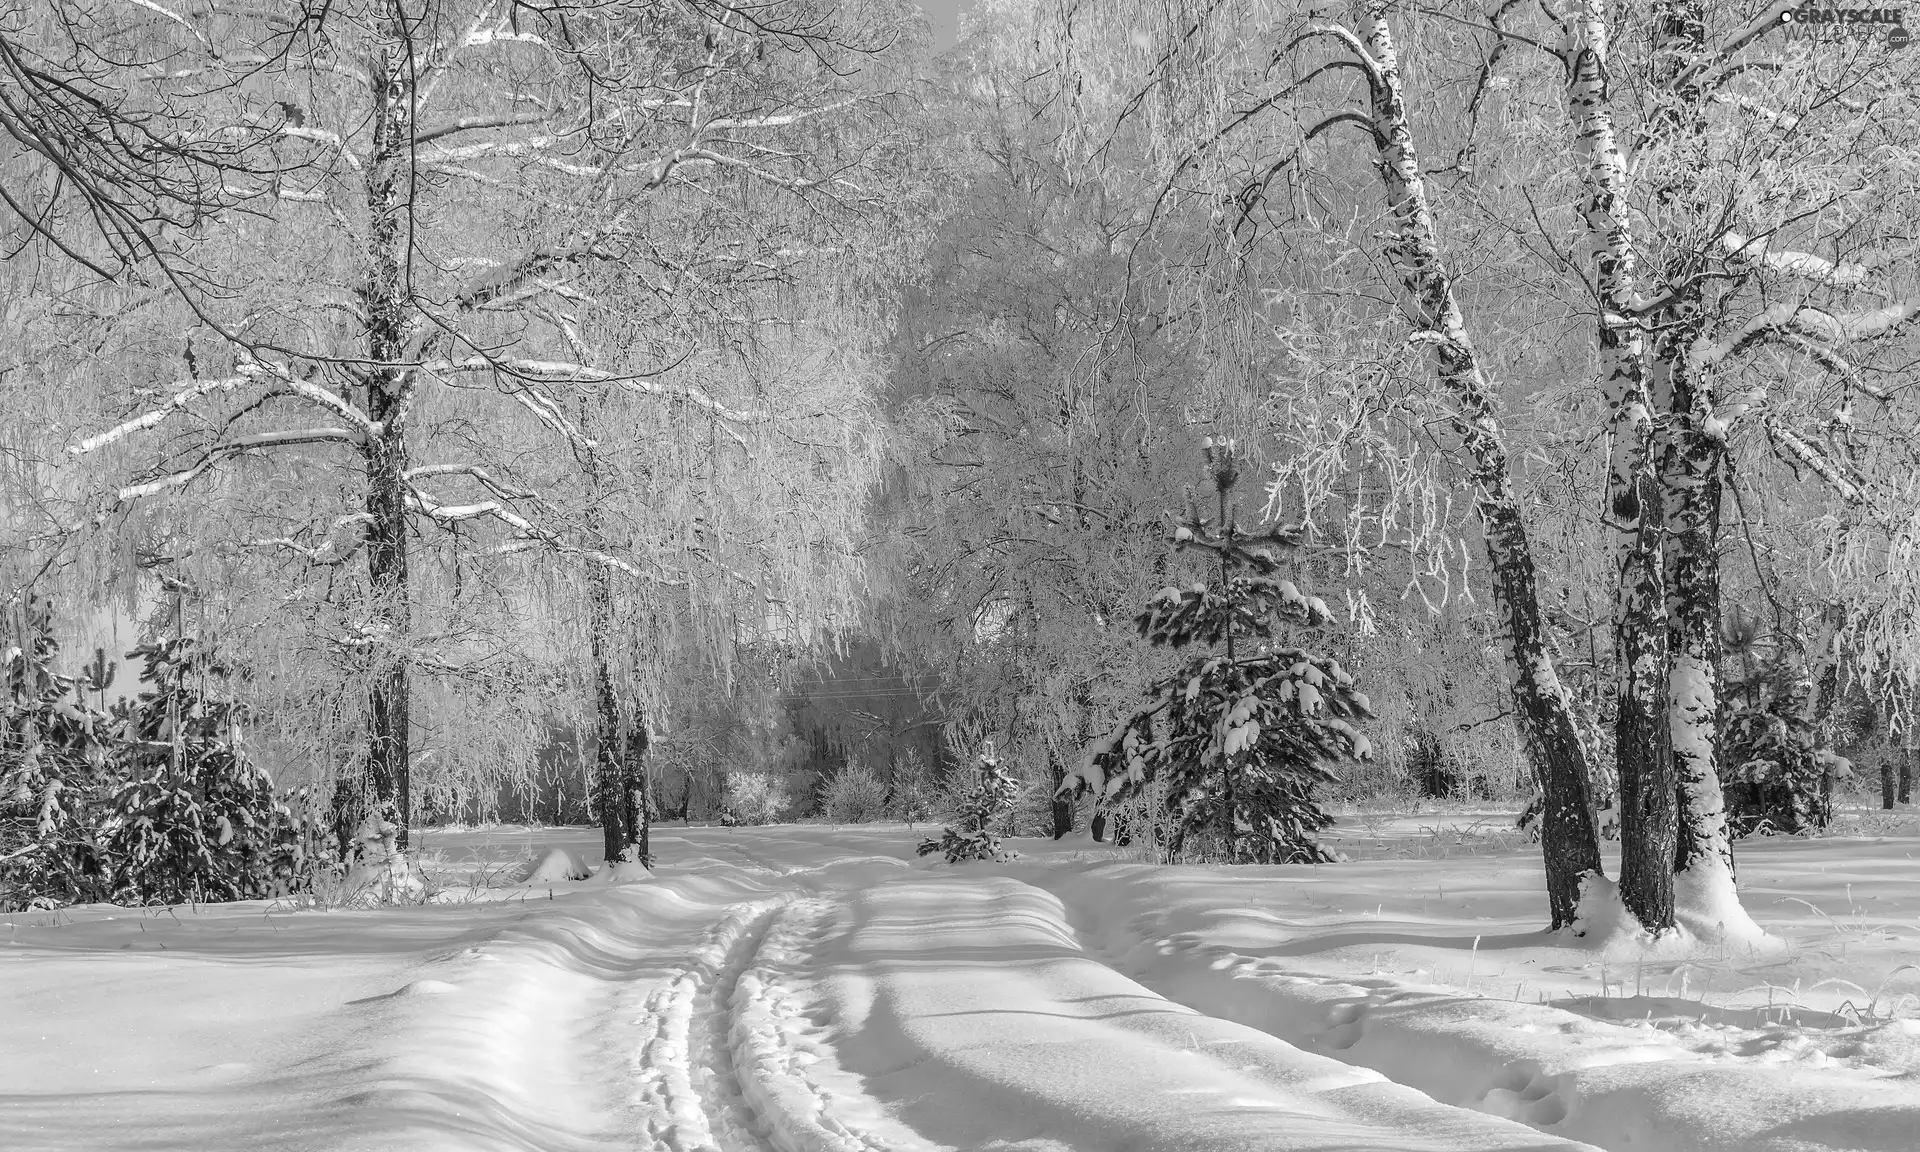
x: 965, y: 1003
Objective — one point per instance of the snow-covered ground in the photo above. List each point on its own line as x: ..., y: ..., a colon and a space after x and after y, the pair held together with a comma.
x: 817, y: 988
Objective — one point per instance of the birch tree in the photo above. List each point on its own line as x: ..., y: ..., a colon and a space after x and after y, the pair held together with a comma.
x: 418, y: 132
x: 1543, y: 705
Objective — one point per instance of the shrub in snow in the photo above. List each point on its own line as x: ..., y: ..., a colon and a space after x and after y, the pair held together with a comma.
x: 1242, y: 733
x: 1778, y: 778
x: 975, y: 831
x: 853, y: 795
x: 752, y: 798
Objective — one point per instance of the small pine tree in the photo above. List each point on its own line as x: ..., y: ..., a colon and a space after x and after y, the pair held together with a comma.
x: 974, y: 834
x: 192, y: 817
x: 1242, y: 733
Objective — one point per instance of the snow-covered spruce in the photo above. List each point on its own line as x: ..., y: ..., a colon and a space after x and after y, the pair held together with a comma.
x: 1244, y: 730
x: 986, y: 805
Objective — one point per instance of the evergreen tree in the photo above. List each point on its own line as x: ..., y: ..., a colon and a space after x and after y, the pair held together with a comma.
x: 974, y: 834
x: 1243, y: 731
x: 54, y: 752
x: 1780, y: 765
x: 191, y: 816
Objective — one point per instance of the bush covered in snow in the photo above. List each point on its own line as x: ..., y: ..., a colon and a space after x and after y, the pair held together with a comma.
x: 853, y: 795
x: 752, y: 798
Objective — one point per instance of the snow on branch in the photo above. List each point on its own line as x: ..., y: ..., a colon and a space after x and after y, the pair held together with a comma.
x: 328, y: 550
x: 1804, y: 265
x: 478, y: 123
x: 782, y: 120
x: 530, y: 146
x: 485, y: 478
x: 1815, y: 325
x: 185, y: 394
x: 1814, y: 461
x: 235, y: 447
x: 568, y: 372
x: 528, y: 536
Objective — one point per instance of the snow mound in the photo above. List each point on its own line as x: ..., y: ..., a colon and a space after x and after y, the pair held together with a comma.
x: 1710, y: 921
x: 555, y: 864
x: 619, y: 871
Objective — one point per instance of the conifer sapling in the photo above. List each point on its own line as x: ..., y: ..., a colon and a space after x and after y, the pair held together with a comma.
x: 1242, y: 732
x: 987, y: 803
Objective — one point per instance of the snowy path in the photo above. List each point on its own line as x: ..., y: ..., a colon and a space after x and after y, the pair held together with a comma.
x: 863, y: 1007
x: 810, y: 989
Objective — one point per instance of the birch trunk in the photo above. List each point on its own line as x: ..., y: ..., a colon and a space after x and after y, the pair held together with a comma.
x: 619, y: 782
x: 1642, y: 745
x: 1542, y: 704
x: 609, y: 761
x: 1691, y: 463
x: 389, y: 394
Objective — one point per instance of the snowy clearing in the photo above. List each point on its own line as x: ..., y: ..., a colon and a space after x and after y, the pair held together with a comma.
x: 819, y: 989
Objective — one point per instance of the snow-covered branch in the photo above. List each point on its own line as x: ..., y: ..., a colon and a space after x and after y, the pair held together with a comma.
x: 328, y: 551
x: 1814, y: 460
x: 237, y: 446
x: 1804, y: 265
x: 185, y: 394
x: 528, y: 537
x: 1812, y: 325
x: 563, y: 372
x: 477, y: 123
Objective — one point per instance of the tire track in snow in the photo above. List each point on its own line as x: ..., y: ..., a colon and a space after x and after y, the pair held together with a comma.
x: 772, y: 1054
x: 725, y: 1069
x: 685, y: 1070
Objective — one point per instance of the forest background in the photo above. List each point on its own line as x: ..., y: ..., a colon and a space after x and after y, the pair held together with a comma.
x: 532, y: 402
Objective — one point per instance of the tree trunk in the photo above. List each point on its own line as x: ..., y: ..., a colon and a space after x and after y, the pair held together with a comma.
x: 1906, y: 777
x: 609, y: 768
x: 1062, y: 807
x: 639, y: 791
x: 1542, y: 705
x: 1641, y: 742
x: 389, y: 394
x: 1886, y: 785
